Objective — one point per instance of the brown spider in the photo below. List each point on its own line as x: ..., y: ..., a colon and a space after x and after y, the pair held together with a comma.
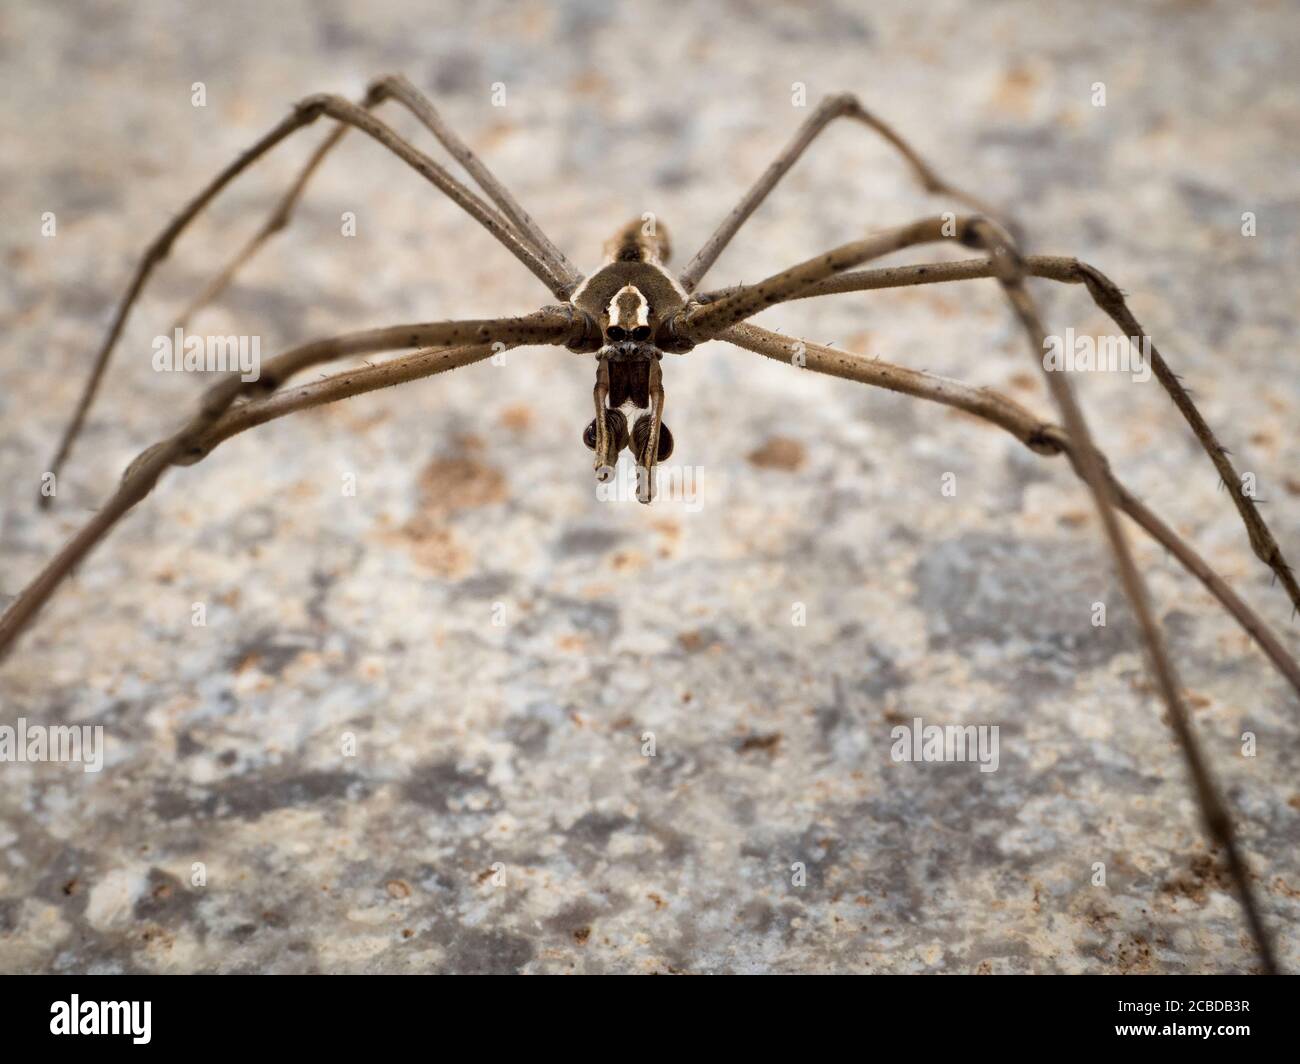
x: 632, y: 310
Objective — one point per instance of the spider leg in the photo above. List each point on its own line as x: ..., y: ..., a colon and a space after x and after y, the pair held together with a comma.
x: 304, y: 113
x: 844, y: 105
x: 1107, y: 295
x: 1011, y: 275
x: 1091, y: 468
x: 400, y: 89
x: 217, y: 417
x: 1041, y: 437
x: 699, y: 321
x: 648, y: 456
x: 603, y: 459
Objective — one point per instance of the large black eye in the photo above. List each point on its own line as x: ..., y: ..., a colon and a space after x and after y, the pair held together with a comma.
x: 615, y: 332
x: 641, y: 332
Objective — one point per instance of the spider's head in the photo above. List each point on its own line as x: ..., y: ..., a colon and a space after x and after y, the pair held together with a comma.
x: 629, y: 299
x: 628, y: 324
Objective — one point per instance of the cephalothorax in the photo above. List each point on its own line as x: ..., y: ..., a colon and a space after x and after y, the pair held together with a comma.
x: 632, y: 311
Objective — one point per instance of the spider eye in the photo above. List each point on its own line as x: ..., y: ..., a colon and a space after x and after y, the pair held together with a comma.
x: 615, y: 332
x: 641, y: 332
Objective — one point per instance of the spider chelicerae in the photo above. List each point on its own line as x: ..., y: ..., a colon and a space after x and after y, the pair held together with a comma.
x: 633, y: 310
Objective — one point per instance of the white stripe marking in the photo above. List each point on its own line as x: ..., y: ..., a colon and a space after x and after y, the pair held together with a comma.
x: 642, y: 308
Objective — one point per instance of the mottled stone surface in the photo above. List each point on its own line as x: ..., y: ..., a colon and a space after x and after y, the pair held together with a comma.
x: 498, y: 642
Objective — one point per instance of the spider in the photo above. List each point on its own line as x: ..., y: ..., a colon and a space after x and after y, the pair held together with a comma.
x: 632, y: 311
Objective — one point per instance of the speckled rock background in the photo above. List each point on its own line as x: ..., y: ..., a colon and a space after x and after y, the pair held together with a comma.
x: 498, y: 643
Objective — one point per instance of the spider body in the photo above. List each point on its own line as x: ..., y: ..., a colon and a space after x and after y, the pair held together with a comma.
x: 630, y: 299
x: 632, y: 311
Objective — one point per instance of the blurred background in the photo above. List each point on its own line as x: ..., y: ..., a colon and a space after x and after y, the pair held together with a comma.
x: 412, y: 734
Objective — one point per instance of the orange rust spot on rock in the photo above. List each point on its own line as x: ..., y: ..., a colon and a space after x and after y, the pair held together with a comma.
x: 779, y: 452
x: 691, y: 642
x: 518, y: 417
x: 766, y: 743
x: 626, y: 560
x: 460, y: 483
x: 589, y: 83
x: 435, y: 547
x: 1015, y: 92
x: 449, y: 485
x: 1204, y: 873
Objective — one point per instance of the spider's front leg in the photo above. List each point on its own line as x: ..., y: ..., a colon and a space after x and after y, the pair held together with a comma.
x: 305, y: 112
x: 607, y: 435
x: 843, y: 105
x: 650, y: 440
x: 697, y: 321
x: 449, y: 345
x: 603, y: 430
x: 1109, y: 298
x: 398, y: 88
x: 1008, y: 268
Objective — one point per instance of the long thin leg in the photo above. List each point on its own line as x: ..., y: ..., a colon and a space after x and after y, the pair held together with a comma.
x: 697, y: 321
x: 304, y: 113
x: 1009, y: 264
x: 215, y: 420
x: 844, y: 105
x: 398, y: 88
x: 1038, y: 435
x: 1107, y: 295
x: 277, y: 220
x: 648, y: 457
x: 603, y: 460
x: 1090, y: 467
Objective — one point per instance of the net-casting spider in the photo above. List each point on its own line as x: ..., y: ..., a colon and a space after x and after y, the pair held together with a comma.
x: 633, y: 310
